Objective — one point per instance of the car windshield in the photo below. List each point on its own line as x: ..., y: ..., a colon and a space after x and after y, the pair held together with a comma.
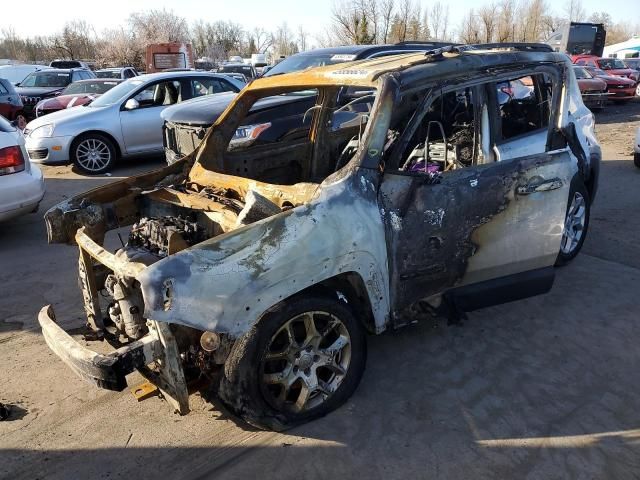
x: 244, y: 69
x: 116, y: 93
x: 108, y: 74
x: 581, y: 73
x: 46, y: 79
x: 295, y: 63
x: 610, y: 63
x: 89, y: 87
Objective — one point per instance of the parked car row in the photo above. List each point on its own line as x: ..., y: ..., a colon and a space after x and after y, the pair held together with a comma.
x: 622, y: 82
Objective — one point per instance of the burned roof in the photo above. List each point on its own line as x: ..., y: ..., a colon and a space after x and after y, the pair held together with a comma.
x: 410, y: 67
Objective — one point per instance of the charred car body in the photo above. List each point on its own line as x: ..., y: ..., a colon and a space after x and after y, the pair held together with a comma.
x: 440, y: 198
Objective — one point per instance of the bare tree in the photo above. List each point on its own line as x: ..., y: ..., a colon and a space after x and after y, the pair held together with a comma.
x: 506, y: 15
x: 438, y: 20
x: 575, y: 11
x: 263, y: 39
x: 76, y: 41
x: 471, y: 29
x: 488, y: 18
x: 119, y: 47
x: 156, y: 26
x: 302, y: 38
x: 387, y: 9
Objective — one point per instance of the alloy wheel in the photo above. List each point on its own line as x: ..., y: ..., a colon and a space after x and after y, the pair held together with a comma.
x: 93, y: 154
x: 306, y: 362
x: 574, y: 224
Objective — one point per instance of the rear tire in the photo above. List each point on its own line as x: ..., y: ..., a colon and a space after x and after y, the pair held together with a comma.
x: 279, y: 375
x: 576, y: 222
x: 93, y: 153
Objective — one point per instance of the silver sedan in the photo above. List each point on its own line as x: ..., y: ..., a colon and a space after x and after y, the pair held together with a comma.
x: 123, y: 122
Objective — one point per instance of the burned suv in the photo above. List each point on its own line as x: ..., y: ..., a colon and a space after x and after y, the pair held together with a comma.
x: 443, y: 197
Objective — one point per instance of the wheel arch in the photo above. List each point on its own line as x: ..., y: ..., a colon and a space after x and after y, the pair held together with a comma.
x: 350, y: 288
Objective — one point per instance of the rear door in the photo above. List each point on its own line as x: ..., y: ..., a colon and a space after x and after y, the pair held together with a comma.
x: 455, y: 214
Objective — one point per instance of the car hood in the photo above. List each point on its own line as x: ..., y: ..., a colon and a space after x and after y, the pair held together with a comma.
x: 203, y: 111
x: 66, y: 101
x: 591, y: 83
x: 614, y: 79
x: 63, y: 116
x: 621, y: 71
x: 37, y: 91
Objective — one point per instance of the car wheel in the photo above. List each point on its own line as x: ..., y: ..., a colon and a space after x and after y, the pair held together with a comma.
x: 638, y: 90
x: 93, y: 153
x: 303, y: 359
x: 576, y: 223
x: 636, y: 159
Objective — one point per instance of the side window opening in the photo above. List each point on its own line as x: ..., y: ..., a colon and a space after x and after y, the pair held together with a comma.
x: 524, y: 105
x: 447, y: 136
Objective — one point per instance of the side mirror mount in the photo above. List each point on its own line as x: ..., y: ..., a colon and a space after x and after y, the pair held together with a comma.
x: 557, y: 139
x: 131, y: 104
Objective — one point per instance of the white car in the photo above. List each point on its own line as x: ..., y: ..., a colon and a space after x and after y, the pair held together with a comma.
x: 21, y: 183
x: 123, y: 122
x: 636, y: 149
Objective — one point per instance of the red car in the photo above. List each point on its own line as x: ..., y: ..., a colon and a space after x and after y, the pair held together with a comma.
x: 618, y: 88
x: 613, y: 66
x: 593, y: 89
x: 10, y: 104
x: 78, y: 93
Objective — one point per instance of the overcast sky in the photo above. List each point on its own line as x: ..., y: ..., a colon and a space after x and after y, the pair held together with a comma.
x: 44, y: 17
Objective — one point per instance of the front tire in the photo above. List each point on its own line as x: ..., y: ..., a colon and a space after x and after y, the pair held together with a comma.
x: 576, y: 222
x: 93, y: 153
x: 303, y: 359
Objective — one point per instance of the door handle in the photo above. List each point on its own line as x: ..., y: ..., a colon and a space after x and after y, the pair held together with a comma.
x: 539, y: 186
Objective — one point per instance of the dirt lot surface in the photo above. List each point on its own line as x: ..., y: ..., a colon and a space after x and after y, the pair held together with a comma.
x: 546, y: 388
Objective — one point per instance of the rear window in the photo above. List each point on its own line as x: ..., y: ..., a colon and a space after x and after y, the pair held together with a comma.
x: 108, y: 74
x: 244, y: 69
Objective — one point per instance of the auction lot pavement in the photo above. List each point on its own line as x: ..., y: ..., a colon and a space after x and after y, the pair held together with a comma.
x: 548, y: 387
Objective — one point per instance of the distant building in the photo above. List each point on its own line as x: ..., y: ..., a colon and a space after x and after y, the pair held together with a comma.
x: 627, y: 49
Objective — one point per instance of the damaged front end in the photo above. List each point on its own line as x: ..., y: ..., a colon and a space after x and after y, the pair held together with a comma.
x: 167, y: 213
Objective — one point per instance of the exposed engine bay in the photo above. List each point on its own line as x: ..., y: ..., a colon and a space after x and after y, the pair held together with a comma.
x: 168, y: 217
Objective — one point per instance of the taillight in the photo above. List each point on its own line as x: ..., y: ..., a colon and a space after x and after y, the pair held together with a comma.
x: 11, y: 160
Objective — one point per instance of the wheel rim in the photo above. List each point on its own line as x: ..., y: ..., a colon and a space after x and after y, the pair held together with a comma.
x: 93, y: 154
x: 574, y: 224
x: 638, y: 90
x: 306, y: 362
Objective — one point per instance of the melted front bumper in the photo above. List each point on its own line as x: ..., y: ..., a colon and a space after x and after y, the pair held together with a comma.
x: 107, y: 371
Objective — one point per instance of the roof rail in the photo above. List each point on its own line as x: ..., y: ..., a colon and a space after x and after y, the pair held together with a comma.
x: 435, y: 43
x: 521, y: 47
